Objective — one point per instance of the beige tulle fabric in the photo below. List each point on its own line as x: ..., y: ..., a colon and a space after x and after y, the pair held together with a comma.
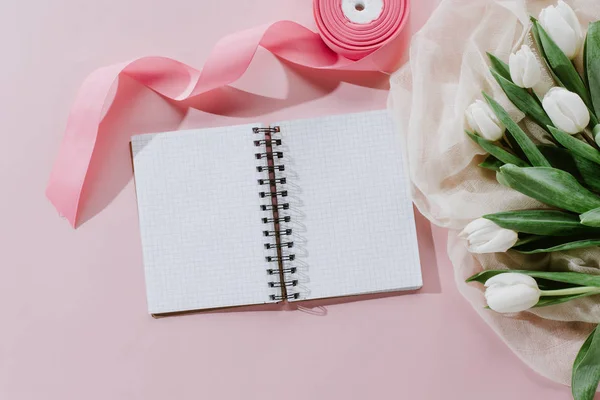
x: 448, y: 69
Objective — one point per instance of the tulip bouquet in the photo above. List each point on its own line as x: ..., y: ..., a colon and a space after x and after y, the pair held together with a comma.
x: 559, y: 167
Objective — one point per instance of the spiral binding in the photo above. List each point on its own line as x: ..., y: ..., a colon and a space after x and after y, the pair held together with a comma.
x: 270, y: 142
x: 284, y: 206
x: 284, y: 232
x: 270, y: 168
x: 272, y: 271
x: 289, y: 257
x: 274, y: 154
x: 287, y: 218
x: 279, y: 245
x: 282, y: 193
x: 286, y: 296
x: 271, y: 162
x: 272, y: 181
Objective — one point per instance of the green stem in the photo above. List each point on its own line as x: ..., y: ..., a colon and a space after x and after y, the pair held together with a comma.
x: 593, y: 118
x: 569, y: 291
x: 584, y: 136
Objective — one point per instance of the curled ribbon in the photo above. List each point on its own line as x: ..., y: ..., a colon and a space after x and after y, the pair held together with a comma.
x: 340, y: 44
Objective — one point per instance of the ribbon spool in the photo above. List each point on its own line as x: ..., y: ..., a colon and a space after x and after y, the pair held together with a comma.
x: 356, y: 28
x: 359, y: 35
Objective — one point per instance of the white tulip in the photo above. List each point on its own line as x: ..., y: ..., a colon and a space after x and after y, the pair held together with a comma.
x: 482, y: 120
x: 566, y: 110
x: 525, y: 70
x: 484, y: 236
x: 511, y: 292
x: 561, y: 24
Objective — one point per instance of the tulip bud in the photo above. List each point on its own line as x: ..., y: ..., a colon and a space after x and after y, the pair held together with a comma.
x: 484, y: 236
x: 511, y: 292
x: 566, y: 110
x: 525, y: 70
x: 561, y: 24
x: 482, y: 120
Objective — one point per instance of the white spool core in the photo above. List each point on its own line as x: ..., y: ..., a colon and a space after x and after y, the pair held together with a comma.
x: 362, y: 11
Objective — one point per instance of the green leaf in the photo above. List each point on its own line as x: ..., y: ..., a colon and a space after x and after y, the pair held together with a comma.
x: 499, y: 66
x: 496, y: 151
x: 538, y: 42
x: 591, y: 218
x: 541, y: 222
x: 560, y: 158
x: 592, y: 63
x: 531, y: 151
x: 585, y: 171
x: 585, y: 68
x: 523, y: 100
x: 562, y: 66
x: 583, y: 350
x: 593, y: 120
x: 575, y: 278
x: 550, y: 244
x: 550, y: 186
x: 527, y: 238
x: 576, y: 146
x: 589, y: 173
x: 591, y: 68
x: 545, y: 284
x: 586, y: 368
x: 501, y: 180
x: 491, y: 163
x: 514, y: 146
x: 553, y: 300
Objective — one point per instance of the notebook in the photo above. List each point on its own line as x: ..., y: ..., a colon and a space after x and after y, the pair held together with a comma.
x: 291, y: 211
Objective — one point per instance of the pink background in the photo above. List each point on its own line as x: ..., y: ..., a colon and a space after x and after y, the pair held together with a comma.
x: 74, y: 322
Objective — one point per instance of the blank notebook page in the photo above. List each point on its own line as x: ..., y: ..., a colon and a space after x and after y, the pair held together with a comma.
x: 354, y: 227
x: 200, y: 219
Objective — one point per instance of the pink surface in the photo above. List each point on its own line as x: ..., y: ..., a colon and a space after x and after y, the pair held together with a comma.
x: 74, y: 320
x: 228, y: 60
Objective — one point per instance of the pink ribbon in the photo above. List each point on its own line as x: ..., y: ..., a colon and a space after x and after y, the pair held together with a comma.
x: 340, y: 44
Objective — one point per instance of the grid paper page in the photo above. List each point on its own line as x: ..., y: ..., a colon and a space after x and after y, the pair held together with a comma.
x: 200, y: 219
x: 351, y: 212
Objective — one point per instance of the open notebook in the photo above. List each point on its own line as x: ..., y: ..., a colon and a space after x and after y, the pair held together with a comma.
x: 254, y: 214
